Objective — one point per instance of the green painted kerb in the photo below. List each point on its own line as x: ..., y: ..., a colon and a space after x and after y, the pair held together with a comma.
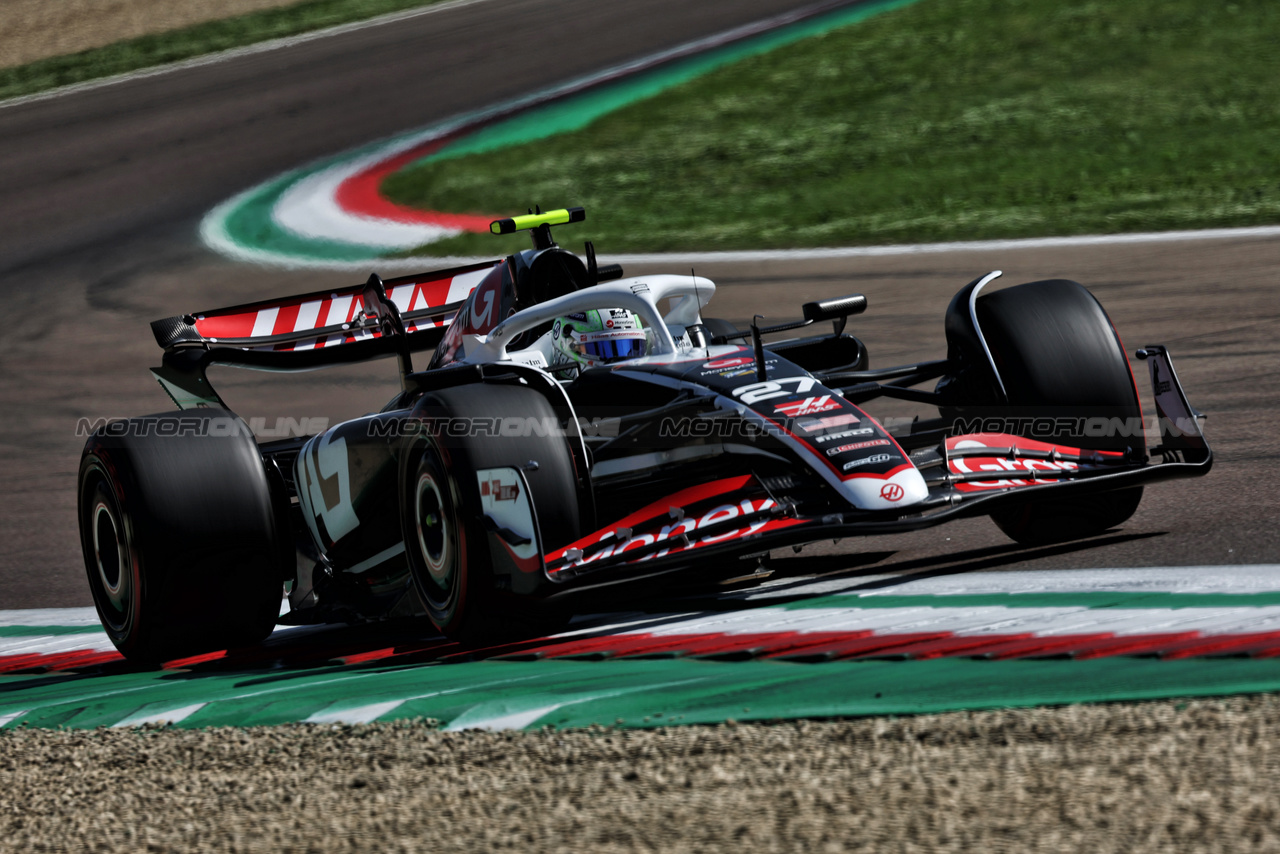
x: 577, y: 112
x: 247, y: 222
x: 44, y: 631
x: 625, y: 693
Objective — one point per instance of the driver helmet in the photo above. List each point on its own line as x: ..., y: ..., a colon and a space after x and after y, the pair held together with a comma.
x: 598, y: 337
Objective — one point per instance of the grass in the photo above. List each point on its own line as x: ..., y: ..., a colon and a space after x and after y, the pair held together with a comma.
x: 176, y: 45
x: 945, y: 120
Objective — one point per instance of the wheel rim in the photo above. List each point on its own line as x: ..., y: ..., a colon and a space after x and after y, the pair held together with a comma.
x: 111, y: 571
x: 107, y: 548
x: 434, y: 529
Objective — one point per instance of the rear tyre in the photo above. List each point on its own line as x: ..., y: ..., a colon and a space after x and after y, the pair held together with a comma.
x: 1059, y: 355
x: 180, y: 535
x: 446, y: 540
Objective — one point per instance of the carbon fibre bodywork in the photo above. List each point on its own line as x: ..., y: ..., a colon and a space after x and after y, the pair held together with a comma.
x: 711, y: 448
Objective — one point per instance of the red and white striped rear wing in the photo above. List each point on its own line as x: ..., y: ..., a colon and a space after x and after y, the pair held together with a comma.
x: 324, y: 318
x: 310, y: 330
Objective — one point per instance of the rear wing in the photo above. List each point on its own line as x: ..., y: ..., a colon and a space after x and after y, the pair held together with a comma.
x: 351, y: 324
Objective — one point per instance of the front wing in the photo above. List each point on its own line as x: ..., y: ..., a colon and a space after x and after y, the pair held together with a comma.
x: 970, y: 475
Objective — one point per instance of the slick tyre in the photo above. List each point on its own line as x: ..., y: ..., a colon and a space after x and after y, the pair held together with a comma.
x: 180, y: 535
x: 1035, y: 523
x: 446, y: 538
x: 1059, y: 356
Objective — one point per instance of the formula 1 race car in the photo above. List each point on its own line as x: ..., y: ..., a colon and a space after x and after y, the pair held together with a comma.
x: 568, y: 436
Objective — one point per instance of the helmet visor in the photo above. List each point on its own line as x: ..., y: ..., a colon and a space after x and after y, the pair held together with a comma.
x: 614, y: 348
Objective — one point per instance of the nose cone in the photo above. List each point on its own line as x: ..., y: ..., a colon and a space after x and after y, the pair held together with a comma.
x: 877, y: 492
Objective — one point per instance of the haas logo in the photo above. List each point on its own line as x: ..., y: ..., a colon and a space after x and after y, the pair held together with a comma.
x: 891, y: 492
x: 808, y: 406
x: 482, y: 313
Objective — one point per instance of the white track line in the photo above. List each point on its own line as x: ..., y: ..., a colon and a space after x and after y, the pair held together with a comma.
x: 356, y: 714
x: 51, y: 644
x: 50, y: 617
x: 237, y: 52
x: 857, y: 608
x: 960, y: 246
x: 982, y: 620
x: 1243, y: 578
x: 310, y: 210
x: 170, y: 715
x: 427, y: 262
x: 1240, y: 578
x: 484, y: 716
x: 520, y: 712
x: 303, y: 38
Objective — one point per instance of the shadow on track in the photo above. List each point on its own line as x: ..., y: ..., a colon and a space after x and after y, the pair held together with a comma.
x: 829, y: 570
x: 308, y: 651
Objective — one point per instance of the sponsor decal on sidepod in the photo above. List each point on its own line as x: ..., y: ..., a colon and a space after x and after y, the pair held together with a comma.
x: 691, y: 525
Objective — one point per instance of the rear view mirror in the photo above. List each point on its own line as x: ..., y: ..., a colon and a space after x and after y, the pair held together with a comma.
x: 834, y: 308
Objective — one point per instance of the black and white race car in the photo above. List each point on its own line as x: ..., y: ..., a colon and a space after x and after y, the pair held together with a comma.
x: 568, y: 434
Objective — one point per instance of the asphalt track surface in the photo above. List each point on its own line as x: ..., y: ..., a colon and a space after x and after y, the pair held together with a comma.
x: 103, y: 192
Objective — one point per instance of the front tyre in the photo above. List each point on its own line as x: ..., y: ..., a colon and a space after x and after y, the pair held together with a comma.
x: 1058, y: 353
x: 1035, y: 523
x: 180, y: 535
